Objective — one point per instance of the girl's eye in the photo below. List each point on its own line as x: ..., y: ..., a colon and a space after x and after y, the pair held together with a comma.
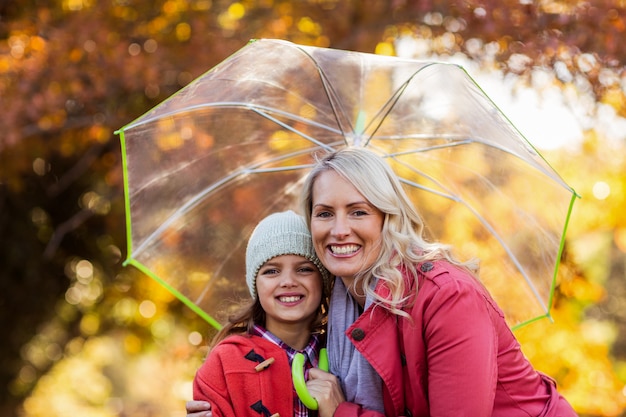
x: 269, y: 271
x: 307, y: 269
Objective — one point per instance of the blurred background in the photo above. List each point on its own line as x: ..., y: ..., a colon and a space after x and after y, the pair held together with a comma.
x: 84, y: 336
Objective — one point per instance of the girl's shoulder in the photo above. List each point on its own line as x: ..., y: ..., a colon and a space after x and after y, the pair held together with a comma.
x: 242, y: 354
x: 245, y: 343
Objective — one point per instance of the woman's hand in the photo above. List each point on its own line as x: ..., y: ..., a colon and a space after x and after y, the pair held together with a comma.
x: 325, y: 388
x: 198, y: 409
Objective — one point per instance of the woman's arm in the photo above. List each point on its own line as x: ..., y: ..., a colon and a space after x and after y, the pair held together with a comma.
x: 461, y: 350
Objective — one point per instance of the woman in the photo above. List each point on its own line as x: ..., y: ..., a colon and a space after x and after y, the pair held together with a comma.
x: 246, y: 371
x: 404, y: 313
x: 406, y: 318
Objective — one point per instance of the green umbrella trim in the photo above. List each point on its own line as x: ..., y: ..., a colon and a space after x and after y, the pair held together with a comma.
x: 129, y: 245
x: 575, y: 195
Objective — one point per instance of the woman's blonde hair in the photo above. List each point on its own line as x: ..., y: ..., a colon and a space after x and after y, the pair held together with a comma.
x: 403, y: 242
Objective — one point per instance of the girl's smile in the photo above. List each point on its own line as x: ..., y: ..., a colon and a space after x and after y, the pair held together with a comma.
x: 289, y: 288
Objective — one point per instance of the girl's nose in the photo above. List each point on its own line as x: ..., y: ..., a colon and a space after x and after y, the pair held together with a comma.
x: 287, y: 279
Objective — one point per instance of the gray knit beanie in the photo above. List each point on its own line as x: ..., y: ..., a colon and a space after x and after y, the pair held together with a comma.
x: 283, y: 233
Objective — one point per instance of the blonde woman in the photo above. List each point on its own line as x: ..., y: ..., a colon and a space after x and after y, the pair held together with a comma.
x: 405, y: 316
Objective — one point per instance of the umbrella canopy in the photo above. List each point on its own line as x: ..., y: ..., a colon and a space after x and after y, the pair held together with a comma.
x: 203, y: 167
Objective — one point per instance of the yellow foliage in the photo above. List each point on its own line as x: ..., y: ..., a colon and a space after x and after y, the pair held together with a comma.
x: 90, y: 324
x: 581, y: 289
x: 620, y: 238
x: 75, y: 384
x: 581, y: 365
x: 202, y: 5
x: 236, y: 11
x: 132, y: 344
x: 75, y: 55
x: 173, y: 7
x: 77, y: 5
x: 615, y: 98
x: 157, y: 24
x: 385, y: 48
x: 308, y: 26
x: 183, y: 31
x: 37, y: 43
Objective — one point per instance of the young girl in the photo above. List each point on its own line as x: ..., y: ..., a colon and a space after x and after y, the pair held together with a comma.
x: 248, y: 370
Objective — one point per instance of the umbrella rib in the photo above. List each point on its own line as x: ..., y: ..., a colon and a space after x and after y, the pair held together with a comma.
x: 393, y: 156
x: 269, y: 209
x: 552, y: 173
x: 189, y: 204
x: 389, y: 105
x: 469, y: 141
x: 490, y: 229
x: 511, y: 255
x: 332, y: 95
x: 386, y: 109
x: 291, y: 129
x: 335, y: 104
x: 327, y: 147
x: 198, y: 197
x: 431, y: 148
x: 256, y: 108
x: 480, y: 218
x: 401, y: 137
x: 327, y: 88
x: 449, y: 196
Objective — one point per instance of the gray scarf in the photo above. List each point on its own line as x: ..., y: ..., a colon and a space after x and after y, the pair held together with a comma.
x: 361, y: 384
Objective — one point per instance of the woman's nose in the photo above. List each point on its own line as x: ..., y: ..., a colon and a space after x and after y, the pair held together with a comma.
x: 340, y: 227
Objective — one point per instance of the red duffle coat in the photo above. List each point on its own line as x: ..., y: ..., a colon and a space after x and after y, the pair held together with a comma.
x: 456, y: 356
x: 229, y: 381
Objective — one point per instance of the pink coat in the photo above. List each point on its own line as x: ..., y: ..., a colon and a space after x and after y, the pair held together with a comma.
x: 456, y: 357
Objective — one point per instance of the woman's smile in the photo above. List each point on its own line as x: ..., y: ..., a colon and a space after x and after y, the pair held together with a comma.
x: 345, y: 249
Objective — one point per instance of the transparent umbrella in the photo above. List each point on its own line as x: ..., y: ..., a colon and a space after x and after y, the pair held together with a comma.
x: 203, y: 167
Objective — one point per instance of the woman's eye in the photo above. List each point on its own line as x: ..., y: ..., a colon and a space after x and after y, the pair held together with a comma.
x: 322, y: 214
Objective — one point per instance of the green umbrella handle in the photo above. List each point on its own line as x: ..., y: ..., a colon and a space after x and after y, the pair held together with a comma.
x: 297, y: 373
